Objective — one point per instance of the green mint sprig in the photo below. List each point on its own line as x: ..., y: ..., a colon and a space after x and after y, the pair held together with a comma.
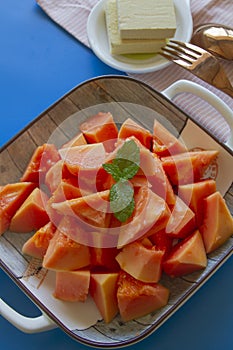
x: 123, y: 167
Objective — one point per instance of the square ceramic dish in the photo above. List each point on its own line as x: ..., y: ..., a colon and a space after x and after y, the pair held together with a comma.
x: 124, y: 97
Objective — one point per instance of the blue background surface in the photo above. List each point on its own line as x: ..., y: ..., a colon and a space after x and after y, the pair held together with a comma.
x: 39, y: 62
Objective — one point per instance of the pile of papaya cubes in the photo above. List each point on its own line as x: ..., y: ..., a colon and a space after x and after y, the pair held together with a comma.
x: 63, y: 198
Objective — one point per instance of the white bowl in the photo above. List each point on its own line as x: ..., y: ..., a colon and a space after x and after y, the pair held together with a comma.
x: 97, y: 36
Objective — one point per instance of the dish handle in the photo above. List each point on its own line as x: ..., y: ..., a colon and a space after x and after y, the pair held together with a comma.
x: 181, y: 86
x: 26, y: 324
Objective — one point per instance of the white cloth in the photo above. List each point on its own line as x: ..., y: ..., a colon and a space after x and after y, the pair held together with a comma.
x: 72, y: 15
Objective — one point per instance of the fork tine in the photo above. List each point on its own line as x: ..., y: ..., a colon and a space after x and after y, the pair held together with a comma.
x: 195, y: 49
x: 184, y: 50
x: 173, y: 55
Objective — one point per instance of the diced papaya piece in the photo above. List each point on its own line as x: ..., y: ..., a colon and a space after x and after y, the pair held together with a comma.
x: 41, y: 161
x: 103, y: 287
x: 91, y: 208
x: 65, y: 191
x: 164, y: 142
x: 193, y: 195
x: 37, y: 245
x: 150, y: 210
x: 53, y: 215
x: 65, y: 254
x: 141, y: 262
x: 170, y: 195
x: 77, y: 232
x: 56, y: 174
x: 84, y: 162
x: 186, y: 256
x: 77, y: 140
x: 162, y: 241
x: 139, y: 181
x: 131, y: 128
x: 152, y: 168
x: 12, y: 197
x: 32, y: 213
x: 100, y: 128
x: 105, y: 257
x: 181, y: 221
x: 102, y: 182
x: 72, y: 286
x: 146, y: 242
x: 136, y: 298
x: 188, y: 167
x: 217, y: 224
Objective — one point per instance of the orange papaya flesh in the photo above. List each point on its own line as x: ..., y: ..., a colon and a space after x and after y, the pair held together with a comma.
x: 100, y: 128
x: 32, y: 213
x: 131, y: 128
x: 12, y: 197
x: 41, y: 161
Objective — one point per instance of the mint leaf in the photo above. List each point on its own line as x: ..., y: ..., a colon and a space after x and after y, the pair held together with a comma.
x: 124, y: 214
x: 128, y: 159
x: 113, y: 169
x: 122, y: 200
x: 123, y: 168
x: 130, y: 169
x: 129, y: 151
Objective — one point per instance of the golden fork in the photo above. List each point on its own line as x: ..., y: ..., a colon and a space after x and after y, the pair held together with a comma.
x: 199, y: 62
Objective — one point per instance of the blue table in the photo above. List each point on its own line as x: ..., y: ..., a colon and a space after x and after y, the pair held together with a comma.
x: 39, y: 62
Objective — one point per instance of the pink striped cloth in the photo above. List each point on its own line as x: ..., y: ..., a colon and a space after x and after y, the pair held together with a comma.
x: 72, y: 15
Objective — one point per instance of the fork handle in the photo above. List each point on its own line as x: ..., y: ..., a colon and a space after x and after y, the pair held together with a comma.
x: 181, y: 86
x: 222, y: 83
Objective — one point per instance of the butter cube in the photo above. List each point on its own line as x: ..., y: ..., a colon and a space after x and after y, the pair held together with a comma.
x: 146, y: 19
x: 120, y: 46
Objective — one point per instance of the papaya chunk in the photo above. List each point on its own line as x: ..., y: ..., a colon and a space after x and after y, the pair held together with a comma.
x: 12, y: 197
x: 131, y: 128
x: 104, y: 256
x: 152, y: 167
x: 217, y: 224
x: 84, y: 162
x: 77, y: 140
x: 141, y: 262
x: 32, y: 213
x: 65, y: 190
x: 193, y: 195
x: 91, y: 208
x: 186, y: 256
x: 143, y: 219
x: 136, y: 298
x: 188, y: 167
x: 162, y: 241
x: 37, y: 245
x: 164, y: 142
x: 56, y: 174
x: 65, y: 254
x: 103, y: 288
x: 100, y: 128
x: 181, y: 221
x: 72, y: 286
x: 42, y: 159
